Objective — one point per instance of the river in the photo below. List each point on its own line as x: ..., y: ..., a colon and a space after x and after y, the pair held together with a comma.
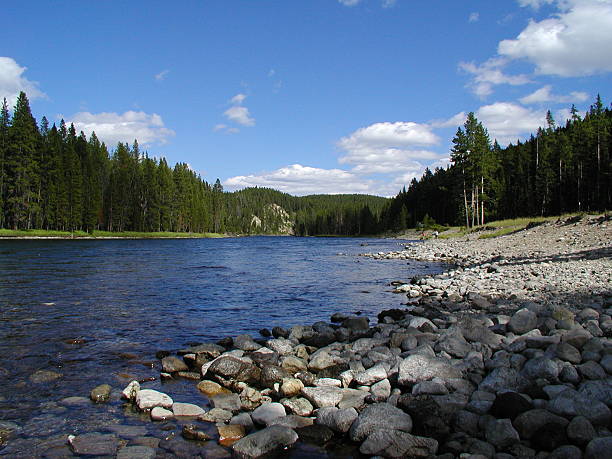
x: 96, y: 311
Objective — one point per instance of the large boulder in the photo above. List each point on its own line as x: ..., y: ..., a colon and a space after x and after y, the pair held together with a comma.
x: 323, y: 396
x: 523, y: 321
x: 337, y: 419
x: 231, y: 368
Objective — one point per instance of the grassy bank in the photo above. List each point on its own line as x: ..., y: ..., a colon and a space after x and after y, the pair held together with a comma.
x: 47, y: 234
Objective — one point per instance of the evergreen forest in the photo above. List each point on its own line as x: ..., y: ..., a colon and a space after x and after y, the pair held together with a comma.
x: 52, y: 177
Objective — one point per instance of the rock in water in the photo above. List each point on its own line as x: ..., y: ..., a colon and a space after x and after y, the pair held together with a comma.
x: 94, y: 444
x: 131, y: 390
x: 173, y: 364
x: 101, y: 393
x: 265, y: 441
x: 149, y: 398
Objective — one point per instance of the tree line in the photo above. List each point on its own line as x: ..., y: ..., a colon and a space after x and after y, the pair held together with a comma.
x: 53, y: 178
x: 559, y: 169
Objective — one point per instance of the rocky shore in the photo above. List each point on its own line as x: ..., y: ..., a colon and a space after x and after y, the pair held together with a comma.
x: 506, y: 354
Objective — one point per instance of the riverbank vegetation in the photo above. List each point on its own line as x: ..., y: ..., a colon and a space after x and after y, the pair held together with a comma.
x: 53, y: 179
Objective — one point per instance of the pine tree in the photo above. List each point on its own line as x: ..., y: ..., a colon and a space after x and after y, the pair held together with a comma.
x: 5, y: 121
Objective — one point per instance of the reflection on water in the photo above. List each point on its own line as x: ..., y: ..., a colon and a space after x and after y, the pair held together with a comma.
x: 96, y: 312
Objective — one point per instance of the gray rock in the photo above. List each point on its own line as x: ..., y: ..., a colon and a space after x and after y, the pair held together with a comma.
x: 337, y: 419
x: 580, y: 431
x: 292, y: 421
x: 597, y: 390
x: 186, y: 409
x: 504, y: 378
x: 571, y: 403
x: 131, y: 390
x: 379, y: 416
x: 265, y: 413
x: 264, y: 442
x: 598, y: 448
x: 136, y: 452
x: 94, y: 444
x: 242, y: 419
x: 569, y: 374
x: 396, y: 443
x: 216, y: 415
x: 281, y: 346
x: 323, y: 396
x: 417, y: 368
x: 352, y: 398
x: 523, y: 321
x: 321, y: 360
x: 371, y: 375
x: 453, y: 343
x: 173, y: 364
x: 501, y: 434
x: 293, y: 364
x: 591, y: 370
x: 474, y: 330
x: 44, y: 376
x: 566, y: 452
x: 246, y: 343
x: 429, y: 388
x: 531, y: 421
x: 569, y: 353
x: 606, y: 363
x: 161, y: 414
x: 577, y: 337
x: 380, y: 391
x: 149, y: 398
x: 231, y: 368
x: 356, y: 323
x: 541, y: 368
x: 298, y: 405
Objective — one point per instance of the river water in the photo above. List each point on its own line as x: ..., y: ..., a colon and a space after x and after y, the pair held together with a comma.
x: 96, y: 312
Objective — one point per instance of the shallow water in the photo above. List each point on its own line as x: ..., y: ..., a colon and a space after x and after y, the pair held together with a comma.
x: 97, y: 311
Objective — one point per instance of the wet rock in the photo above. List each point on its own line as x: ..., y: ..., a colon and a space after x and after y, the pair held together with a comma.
x: 356, y: 323
x: 173, y: 364
x: 94, y: 444
x: 280, y: 332
x: 191, y: 432
x: 246, y: 343
x: 186, y: 409
x: 44, y: 376
x: 265, y: 441
x: 230, y: 402
x: 211, y: 388
x: 379, y: 416
x: 161, y: 414
x: 101, y: 393
x: 267, y: 412
x: 417, y: 368
x: 216, y: 415
x: 131, y: 391
x: 396, y: 443
x: 292, y: 421
x: 243, y: 419
x: 136, y: 452
x: 231, y: 368
x: 230, y: 434
x: 149, y: 398
x: 317, y: 434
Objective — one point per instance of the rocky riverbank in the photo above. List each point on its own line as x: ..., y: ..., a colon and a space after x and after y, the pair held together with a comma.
x: 507, y: 354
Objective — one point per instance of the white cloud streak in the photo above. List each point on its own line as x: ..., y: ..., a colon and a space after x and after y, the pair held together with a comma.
x: 490, y: 74
x: 349, y: 2
x: 508, y: 122
x: 12, y: 82
x: 544, y: 94
x: 113, y: 128
x: 474, y: 17
x: 161, y: 76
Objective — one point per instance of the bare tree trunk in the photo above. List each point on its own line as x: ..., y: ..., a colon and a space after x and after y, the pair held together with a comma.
x: 482, y: 203
x: 467, y: 215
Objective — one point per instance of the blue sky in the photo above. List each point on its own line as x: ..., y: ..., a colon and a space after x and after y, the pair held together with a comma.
x: 305, y: 96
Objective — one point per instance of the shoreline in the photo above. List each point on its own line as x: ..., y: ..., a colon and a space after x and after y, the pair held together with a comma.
x: 505, y: 354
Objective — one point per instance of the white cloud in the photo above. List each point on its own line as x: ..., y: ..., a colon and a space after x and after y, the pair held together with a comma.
x: 474, y: 17
x: 12, y: 82
x: 161, y: 76
x: 113, y: 127
x: 389, y: 3
x: 535, y: 4
x: 454, y: 121
x: 240, y: 115
x: 544, y: 94
x: 225, y: 128
x: 301, y: 180
x: 238, y: 99
x: 349, y: 2
x: 574, y: 42
x: 490, y: 74
x: 507, y: 122
x: 388, y: 147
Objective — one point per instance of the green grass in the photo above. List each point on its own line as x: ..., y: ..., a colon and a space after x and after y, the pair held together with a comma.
x: 103, y: 234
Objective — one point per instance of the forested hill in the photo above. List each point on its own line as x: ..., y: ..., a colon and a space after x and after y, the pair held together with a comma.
x: 53, y: 178
x: 561, y: 168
